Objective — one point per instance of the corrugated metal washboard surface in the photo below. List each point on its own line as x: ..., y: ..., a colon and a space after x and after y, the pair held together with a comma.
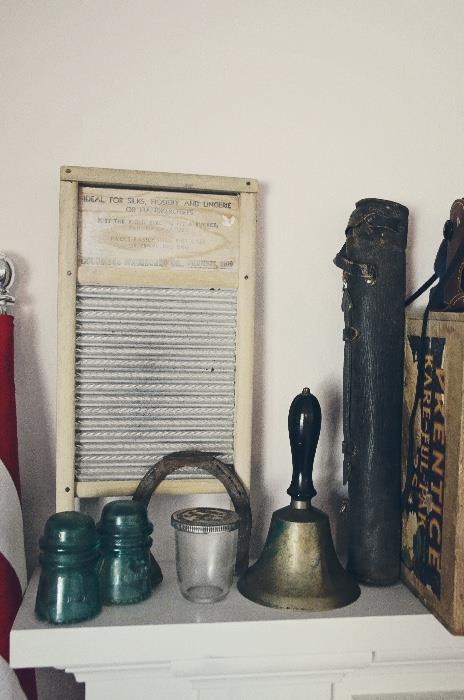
x: 155, y: 373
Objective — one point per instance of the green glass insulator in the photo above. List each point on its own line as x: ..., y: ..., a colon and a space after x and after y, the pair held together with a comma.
x: 125, y: 568
x: 68, y: 586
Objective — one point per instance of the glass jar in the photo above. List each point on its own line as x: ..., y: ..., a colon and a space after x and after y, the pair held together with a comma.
x: 68, y: 586
x: 124, y: 567
x: 206, y: 548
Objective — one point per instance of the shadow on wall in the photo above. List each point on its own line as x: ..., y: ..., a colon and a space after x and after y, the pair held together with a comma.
x: 329, y: 479
x: 411, y: 254
x: 327, y: 461
x: 58, y: 684
x: 35, y: 421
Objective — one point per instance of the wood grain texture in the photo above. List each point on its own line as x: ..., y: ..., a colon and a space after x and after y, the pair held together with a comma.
x: 65, y: 420
x: 161, y: 181
x: 448, y: 508
x: 72, y: 178
x: 93, y: 489
x: 108, y: 275
x: 245, y: 339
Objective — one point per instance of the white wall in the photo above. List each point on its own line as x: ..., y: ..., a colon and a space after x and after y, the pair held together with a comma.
x: 323, y: 101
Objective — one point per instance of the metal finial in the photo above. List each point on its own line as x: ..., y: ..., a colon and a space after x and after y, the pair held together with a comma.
x: 7, y: 276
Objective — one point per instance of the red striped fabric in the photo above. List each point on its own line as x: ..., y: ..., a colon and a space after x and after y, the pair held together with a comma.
x: 11, y: 560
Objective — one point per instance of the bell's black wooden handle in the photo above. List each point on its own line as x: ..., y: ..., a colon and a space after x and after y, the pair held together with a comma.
x: 304, y: 427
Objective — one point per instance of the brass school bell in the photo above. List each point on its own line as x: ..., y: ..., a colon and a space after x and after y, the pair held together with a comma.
x: 298, y: 568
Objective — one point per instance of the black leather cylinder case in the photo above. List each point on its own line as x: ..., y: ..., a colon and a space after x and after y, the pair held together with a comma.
x: 373, y: 261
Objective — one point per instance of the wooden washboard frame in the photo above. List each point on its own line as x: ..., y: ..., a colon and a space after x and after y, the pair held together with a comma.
x: 73, y: 274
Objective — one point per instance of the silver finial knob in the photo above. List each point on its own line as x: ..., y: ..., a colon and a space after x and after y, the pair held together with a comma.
x: 6, y: 280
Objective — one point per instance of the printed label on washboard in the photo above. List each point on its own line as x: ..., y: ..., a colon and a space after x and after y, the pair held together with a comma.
x: 423, y: 510
x: 157, y: 229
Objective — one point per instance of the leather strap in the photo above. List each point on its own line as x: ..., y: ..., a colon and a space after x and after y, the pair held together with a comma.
x: 205, y: 461
x: 435, y: 292
x: 363, y: 270
x: 428, y: 283
x: 349, y: 334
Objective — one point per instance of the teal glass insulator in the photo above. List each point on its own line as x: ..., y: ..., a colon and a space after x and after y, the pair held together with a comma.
x: 68, y: 586
x: 125, y: 568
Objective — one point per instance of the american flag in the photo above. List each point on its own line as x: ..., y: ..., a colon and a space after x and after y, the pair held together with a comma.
x: 20, y: 684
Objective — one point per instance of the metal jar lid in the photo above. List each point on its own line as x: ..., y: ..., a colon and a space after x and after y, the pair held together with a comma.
x: 205, y: 520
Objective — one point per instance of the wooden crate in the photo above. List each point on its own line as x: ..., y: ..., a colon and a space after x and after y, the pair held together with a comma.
x: 433, y: 517
x: 155, y: 327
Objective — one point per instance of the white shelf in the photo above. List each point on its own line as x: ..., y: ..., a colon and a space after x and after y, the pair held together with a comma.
x: 167, y: 625
x: 171, y: 649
